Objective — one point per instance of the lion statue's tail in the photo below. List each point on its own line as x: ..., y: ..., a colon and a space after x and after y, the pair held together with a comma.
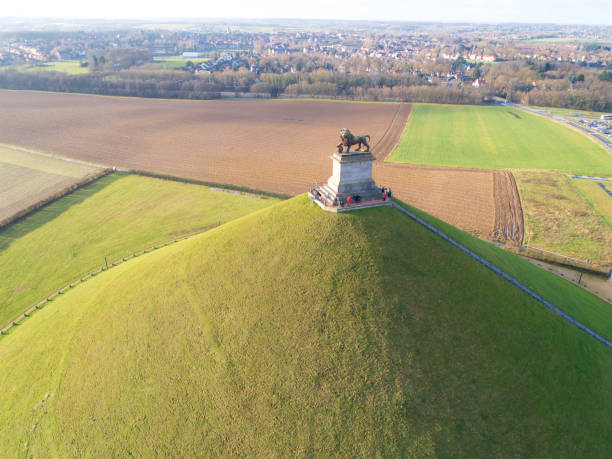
x: 368, y: 136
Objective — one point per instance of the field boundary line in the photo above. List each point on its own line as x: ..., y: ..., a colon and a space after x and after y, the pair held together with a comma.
x: 28, y: 312
x: 54, y: 156
x: 389, y: 130
x: 388, y: 127
x: 399, y: 139
x: 505, y: 276
x: 245, y: 191
x: 54, y: 197
x: 565, y: 257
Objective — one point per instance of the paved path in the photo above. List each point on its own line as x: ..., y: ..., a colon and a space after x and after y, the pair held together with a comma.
x: 506, y: 276
x: 595, y: 179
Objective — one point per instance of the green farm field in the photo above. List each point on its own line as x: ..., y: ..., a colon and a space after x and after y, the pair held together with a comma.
x: 71, y: 67
x: 263, y: 338
x: 177, y: 62
x: 558, y: 217
x: 27, y: 178
x: 114, y: 216
x: 597, y: 198
x: 496, y: 138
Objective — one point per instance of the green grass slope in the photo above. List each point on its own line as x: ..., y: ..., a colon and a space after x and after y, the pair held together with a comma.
x: 496, y: 138
x: 580, y: 304
x: 114, y: 217
x: 293, y: 331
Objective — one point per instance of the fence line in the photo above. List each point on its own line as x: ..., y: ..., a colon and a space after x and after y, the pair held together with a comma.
x: 89, y: 275
x: 563, y: 260
x: 507, y: 277
x: 244, y: 190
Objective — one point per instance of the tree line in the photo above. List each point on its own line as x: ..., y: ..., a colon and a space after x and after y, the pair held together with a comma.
x: 182, y: 85
x: 522, y: 84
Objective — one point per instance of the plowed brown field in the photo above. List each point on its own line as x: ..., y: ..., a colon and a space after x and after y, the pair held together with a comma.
x: 461, y: 197
x: 274, y: 145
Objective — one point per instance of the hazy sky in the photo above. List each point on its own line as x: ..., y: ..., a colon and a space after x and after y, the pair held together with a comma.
x: 549, y: 11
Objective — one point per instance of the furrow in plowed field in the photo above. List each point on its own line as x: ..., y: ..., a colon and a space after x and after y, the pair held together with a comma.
x: 508, y: 225
x: 281, y: 146
x: 383, y: 147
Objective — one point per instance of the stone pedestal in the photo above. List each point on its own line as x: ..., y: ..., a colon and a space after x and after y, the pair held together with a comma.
x: 351, y: 176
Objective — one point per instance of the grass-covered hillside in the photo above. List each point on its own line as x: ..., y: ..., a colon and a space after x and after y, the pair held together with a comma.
x: 294, y: 331
x: 496, y: 138
x: 580, y: 304
x: 112, y: 217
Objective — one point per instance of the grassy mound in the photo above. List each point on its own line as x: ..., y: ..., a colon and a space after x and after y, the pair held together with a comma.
x: 580, y: 304
x: 114, y: 217
x: 496, y: 138
x: 297, y: 332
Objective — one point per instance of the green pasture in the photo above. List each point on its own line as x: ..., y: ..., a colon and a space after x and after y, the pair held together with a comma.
x: 597, y: 198
x: 488, y: 137
x: 72, y: 67
x: 295, y: 332
x: 559, y: 216
x: 114, y: 216
x: 177, y: 62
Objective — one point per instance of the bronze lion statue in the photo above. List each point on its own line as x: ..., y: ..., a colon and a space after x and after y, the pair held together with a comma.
x: 348, y: 140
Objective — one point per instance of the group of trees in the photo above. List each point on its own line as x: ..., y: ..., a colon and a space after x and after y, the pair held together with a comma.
x: 118, y: 58
x: 129, y: 72
x: 178, y: 84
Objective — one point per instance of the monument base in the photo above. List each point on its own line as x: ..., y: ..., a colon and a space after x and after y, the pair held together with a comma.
x: 351, y: 185
x: 330, y: 207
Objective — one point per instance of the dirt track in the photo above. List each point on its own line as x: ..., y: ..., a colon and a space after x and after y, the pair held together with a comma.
x: 382, y: 147
x: 274, y: 145
x: 508, y: 211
